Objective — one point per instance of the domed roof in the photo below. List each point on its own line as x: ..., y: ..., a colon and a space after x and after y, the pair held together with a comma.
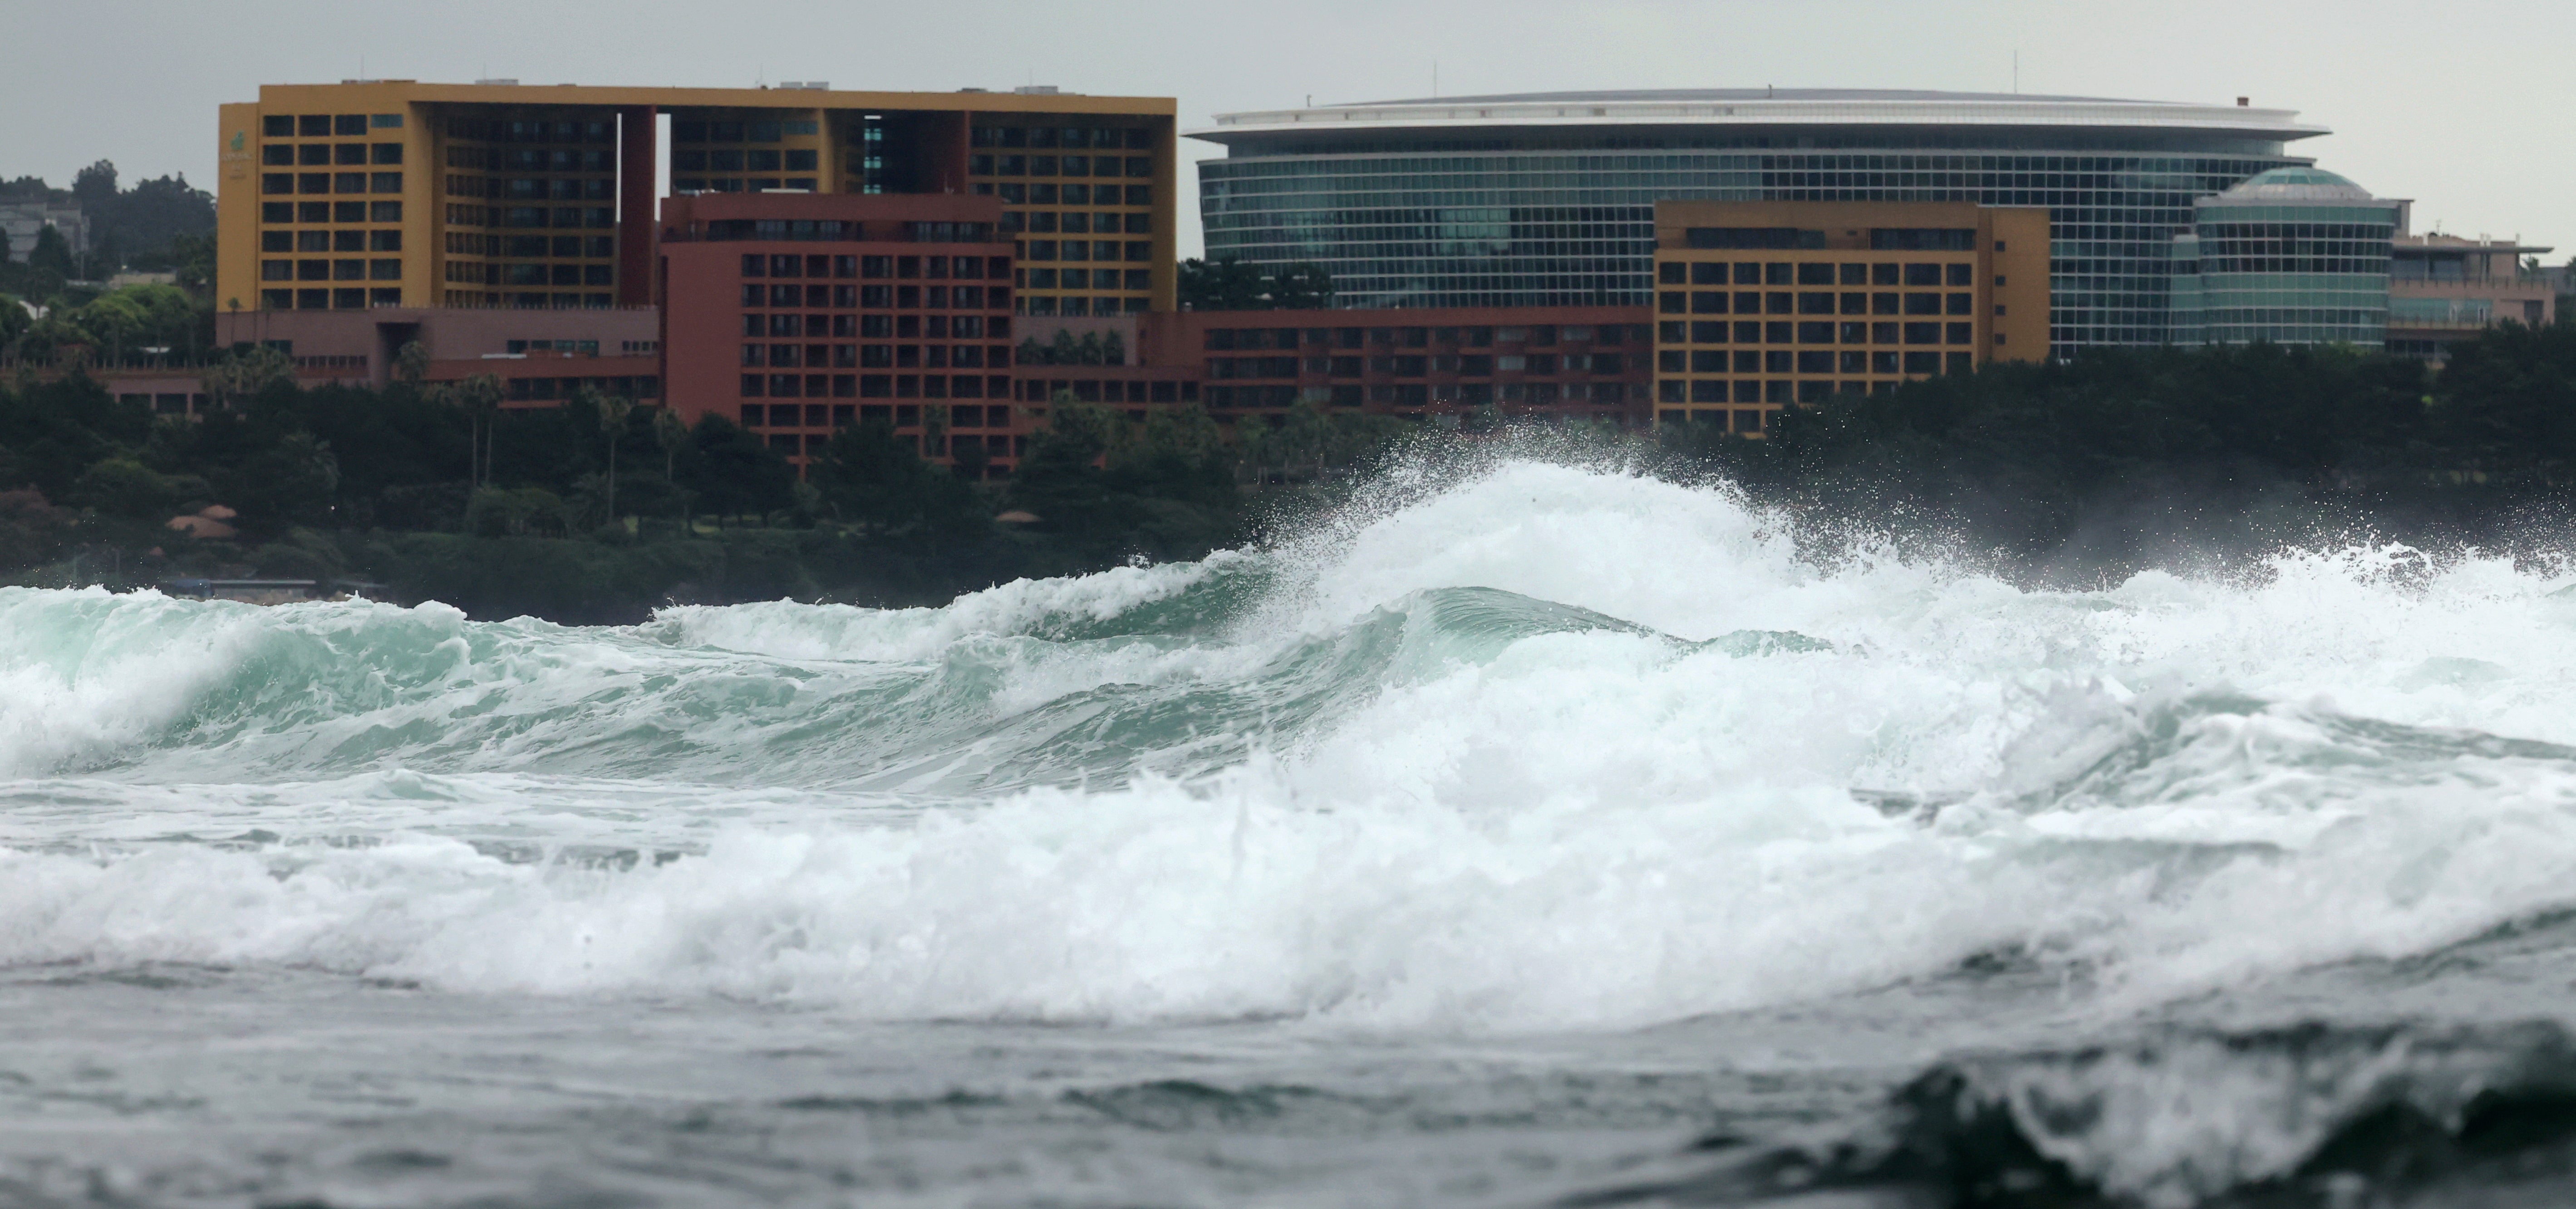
x: 2297, y: 184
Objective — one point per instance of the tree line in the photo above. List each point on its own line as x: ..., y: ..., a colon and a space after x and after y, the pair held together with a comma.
x: 438, y: 489
x: 601, y: 508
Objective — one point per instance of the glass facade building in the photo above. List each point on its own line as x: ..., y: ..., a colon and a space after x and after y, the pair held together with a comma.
x: 1548, y: 199
x: 2293, y: 256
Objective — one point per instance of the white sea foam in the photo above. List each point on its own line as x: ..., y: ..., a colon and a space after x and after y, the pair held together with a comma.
x: 2159, y: 786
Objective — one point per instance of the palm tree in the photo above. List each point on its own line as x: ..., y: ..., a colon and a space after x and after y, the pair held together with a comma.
x: 673, y: 436
x: 612, y: 411
x: 480, y: 398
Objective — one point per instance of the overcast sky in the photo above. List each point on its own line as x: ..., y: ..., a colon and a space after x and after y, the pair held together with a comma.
x: 2460, y: 106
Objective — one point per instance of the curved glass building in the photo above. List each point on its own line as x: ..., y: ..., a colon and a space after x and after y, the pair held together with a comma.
x: 1548, y: 198
x: 2293, y: 256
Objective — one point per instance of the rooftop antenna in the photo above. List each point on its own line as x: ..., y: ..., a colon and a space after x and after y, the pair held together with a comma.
x: 1435, y: 77
x: 2016, y: 69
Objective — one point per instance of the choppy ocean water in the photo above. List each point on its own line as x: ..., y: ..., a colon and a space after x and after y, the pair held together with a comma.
x: 1550, y: 837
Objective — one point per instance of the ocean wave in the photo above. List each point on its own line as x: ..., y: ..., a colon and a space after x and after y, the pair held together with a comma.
x: 1541, y: 747
x: 2309, y: 1114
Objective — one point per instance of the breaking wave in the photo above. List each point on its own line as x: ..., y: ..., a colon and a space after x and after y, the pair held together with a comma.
x: 1544, y: 748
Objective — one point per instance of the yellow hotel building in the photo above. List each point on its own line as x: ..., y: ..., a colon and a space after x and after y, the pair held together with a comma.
x: 397, y: 193
x: 1766, y: 305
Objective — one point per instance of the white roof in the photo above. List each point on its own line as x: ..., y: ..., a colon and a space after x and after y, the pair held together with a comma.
x: 1764, y: 107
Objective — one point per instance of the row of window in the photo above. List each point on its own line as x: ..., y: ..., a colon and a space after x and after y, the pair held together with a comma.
x: 876, y: 356
x: 469, y: 273
x: 1070, y: 222
x: 833, y: 230
x: 532, y: 217
x: 1543, y: 334
x: 330, y: 270
x: 1775, y: 272
x: 2370, y: 266
x: 503, y: 130
x: 1471, y: 365
x: 335, y: 212
x: 936, y: 268
x: 879, y: 297
x: 1134, y: 138
x: 522, y: 188
x: 1087, y: 279
x: 1804, y: 361
x: 531, y: 159
x: 904, y: 327
x: 728, y: 184
x: 1076, y: 306
x: 874, y: 386
x: 1817, y: 332
x: 1780, y: 390
x: 1163, y: 390
x: 758, y: 130
x: 1747, y: 420
x: 1050, y: 165
x: 842, y: 415
x: 325, y: 300
x: 326, y: 125
x: 1425, y: 394
x: 794, y: 159
x: 468, y: 243
x: 323, y: 154
x: 330, y: 182
x: 1085, y: 249
x: 1015, y: 194
x: 385, y: 240
x: 1812, y: 302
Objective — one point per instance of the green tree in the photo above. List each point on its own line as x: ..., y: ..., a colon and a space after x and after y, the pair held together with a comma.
x: 1301, y: 287
x: 52, y: 254
x: 246, y: 372
x: 1230, y: 285
x: 192, y: 257
x: 734, y: 472
x: 612, y: 412
x: 479, y: 397
x: 411, y: 363
x: 1223, y: 285
x: 673, y: 436
x: 872, y: 479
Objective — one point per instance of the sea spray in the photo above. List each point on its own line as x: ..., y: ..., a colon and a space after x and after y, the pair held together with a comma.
x: 1466, y: 760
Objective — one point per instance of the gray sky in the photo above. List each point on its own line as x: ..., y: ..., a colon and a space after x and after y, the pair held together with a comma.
x: 2454, y: 105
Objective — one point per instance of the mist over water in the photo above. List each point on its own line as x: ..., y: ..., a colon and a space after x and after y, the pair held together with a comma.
x: 1537, y: 832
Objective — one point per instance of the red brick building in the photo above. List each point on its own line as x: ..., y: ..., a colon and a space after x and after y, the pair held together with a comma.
x: 797, y: 314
